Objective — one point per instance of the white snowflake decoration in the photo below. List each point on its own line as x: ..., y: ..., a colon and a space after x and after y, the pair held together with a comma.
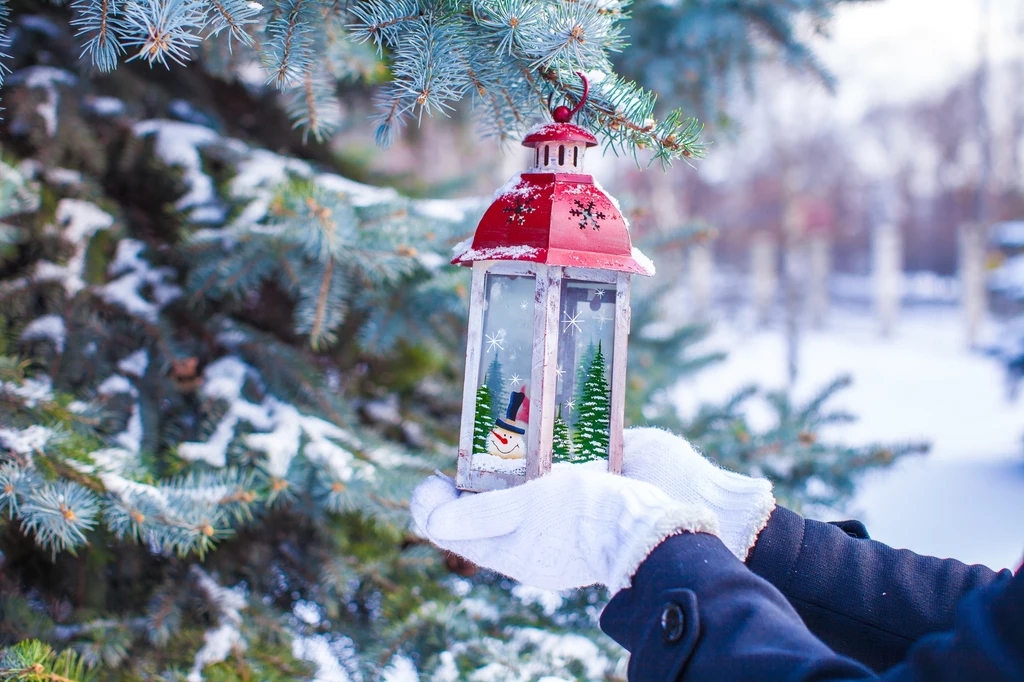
x: 572, y: 323
x: 496, y: 340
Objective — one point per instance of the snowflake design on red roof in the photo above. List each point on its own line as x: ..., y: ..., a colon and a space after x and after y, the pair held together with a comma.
x: 518, y: 213
x: 587, y: 214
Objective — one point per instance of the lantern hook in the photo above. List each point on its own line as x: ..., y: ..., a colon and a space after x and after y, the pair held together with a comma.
x: 564, y: 114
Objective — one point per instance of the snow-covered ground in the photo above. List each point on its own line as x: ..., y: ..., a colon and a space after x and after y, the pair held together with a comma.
x: 965, y: 499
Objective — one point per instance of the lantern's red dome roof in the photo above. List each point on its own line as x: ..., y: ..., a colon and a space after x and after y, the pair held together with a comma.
x: 563, y: 219
x: 558, y: 132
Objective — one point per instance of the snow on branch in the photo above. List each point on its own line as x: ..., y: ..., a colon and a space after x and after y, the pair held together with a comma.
x: 45, y: 78
x: 178, y: 144
x: 317, y: 650
x: 135, y: 364
x: 321, y: 237
x: 80, y: 220
x: 225, y: 637
x: 284, y: 432
x: 17, y: 195
x: 134, y: 274
x: 48, y: 327
x: 25, y: 441
x: 31, y: 391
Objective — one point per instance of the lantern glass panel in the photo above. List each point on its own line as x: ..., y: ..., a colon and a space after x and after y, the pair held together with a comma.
x: 583, y: 389
x: 502, y: 411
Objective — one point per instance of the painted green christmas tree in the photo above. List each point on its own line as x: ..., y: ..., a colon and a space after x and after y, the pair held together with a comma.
x: 594, y: 418
x: 561, y: 444
x: 483, y: 421
x: 495, y: 382
x: 582, y: 368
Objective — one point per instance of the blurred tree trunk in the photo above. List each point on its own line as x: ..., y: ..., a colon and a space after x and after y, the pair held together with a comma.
x: 764, y: 279
x: 887, y: 269
x: 973, y: 299
x: 795, y: 274
x: 702, y: 276
x: 820, y: 256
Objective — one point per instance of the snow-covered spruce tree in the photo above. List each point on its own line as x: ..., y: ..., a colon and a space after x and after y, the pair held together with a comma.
x: 224, y: 368
x: 561, y: 442
x: 582, y: 370
x: 495, y: 382
x: 483, y: 419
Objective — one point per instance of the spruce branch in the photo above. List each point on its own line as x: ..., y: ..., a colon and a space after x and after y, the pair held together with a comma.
x: 379, y: 21
x: 508, y: 21
x: 539, y: 46
x: 5, y: 41
x: 511, y: 55
x: 317, y: 329
x: 16, y: 481
x: 58, y: 515
x: 423, y: 74
x: 288, y: 53
x: 575, y: 35
x: 101, y: 21
x: 314, y: 107
x: 163, y: 29
x: 626, y: 113
x: 391, y: 116
x: 34, y: 661
x: 233, y: 15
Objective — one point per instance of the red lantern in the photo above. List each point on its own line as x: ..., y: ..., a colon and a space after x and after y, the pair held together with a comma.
x: 548, y: 319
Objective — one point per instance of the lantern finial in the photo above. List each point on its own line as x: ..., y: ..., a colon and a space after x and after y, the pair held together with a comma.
x: 563, y: 114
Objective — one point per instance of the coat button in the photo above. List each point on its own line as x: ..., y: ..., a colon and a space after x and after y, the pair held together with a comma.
x: 672, y: 622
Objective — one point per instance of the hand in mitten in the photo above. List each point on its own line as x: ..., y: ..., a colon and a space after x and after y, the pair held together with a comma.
x: 570, y: 528
x: 741, y: 503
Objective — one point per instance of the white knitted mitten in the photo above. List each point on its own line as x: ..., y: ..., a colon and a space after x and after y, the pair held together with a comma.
x: 741, y: 503
x: 570, y: 528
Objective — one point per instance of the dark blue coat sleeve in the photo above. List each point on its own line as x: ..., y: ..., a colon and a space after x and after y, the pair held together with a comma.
x: 695, y: 612
x: 863, y: 599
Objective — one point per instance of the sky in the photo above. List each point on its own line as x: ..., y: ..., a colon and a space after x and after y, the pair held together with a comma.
x: 901, y: 50
x: 888, y: 52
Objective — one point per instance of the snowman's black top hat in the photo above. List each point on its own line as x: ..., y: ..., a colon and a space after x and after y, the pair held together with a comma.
x: 515, y: 401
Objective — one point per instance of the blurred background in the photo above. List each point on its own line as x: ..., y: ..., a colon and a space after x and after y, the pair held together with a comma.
x: 861, y: 223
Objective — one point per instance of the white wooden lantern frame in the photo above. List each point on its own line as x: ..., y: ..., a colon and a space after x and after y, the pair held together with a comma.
x: 543, y: 376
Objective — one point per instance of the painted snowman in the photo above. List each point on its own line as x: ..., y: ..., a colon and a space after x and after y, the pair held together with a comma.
x: 506, y: 438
